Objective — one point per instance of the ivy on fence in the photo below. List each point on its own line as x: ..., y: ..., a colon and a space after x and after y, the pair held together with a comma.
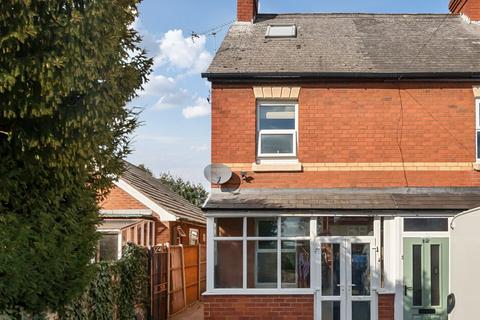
x: 118, y: 291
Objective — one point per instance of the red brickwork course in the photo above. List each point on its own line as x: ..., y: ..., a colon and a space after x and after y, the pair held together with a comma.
x: 357, y: 123
x: 280, y: 307
x: 386, y: 309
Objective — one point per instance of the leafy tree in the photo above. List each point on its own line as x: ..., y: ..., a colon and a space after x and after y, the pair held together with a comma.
x: 194, y: 193
x: 67, y: 70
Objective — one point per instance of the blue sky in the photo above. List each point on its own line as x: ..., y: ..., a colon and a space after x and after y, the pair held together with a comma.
x: 175, y: 135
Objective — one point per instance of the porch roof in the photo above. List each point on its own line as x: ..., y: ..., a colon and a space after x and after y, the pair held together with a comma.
x: 116, y: 224
x: 460, y: 198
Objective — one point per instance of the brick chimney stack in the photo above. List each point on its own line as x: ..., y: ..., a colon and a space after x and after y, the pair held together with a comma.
x: 247, y: 10
x: 469, y: 8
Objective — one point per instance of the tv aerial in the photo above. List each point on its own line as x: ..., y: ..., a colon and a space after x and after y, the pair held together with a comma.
x: 217, y: 173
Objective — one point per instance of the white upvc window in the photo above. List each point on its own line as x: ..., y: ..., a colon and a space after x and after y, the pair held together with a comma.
x: 277, y: 129
x: 260, y: 254
x: 477, y: 125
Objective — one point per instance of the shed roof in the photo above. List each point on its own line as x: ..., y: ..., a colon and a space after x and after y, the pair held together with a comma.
x: 116, y: 224
x: 350, y: 44
x: 155, y: 190
x: 340, y: 199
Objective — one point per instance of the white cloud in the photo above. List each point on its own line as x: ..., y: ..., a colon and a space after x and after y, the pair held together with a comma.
x: 158, y: 85
x: 200, y: 148
x: 172, y: 100
x: 184, y: 53
x: 200, y: 109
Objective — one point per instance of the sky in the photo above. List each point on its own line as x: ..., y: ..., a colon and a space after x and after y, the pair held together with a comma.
x: 175, y: 132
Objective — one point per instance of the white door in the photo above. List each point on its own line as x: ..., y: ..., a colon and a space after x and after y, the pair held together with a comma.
x: 345, y: 268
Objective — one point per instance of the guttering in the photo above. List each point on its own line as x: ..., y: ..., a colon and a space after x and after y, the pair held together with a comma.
x: 395, y: 76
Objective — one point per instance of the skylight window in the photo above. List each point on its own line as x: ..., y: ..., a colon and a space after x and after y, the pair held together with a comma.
x: 281, y: 31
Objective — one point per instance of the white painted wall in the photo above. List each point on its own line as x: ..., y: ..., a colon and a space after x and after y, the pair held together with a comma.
x: 465, y: 264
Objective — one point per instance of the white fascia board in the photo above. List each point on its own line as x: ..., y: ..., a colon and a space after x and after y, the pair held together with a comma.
x: 163, y: 214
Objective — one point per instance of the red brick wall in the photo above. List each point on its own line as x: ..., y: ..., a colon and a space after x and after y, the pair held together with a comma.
x: 118, y: 199
x: 470, y: 8
x: 357, y: 123
x: 386, y: 307
x: 246, y: 10
x: 279, y: 307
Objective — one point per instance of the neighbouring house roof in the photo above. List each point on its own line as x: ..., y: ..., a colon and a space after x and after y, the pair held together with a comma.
x: 160, y: 194
x: 116, y: 224
x: 457, y: 198
x: 351, y: 45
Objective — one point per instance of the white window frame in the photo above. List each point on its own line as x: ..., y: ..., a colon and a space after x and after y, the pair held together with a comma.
x: 293, y: 132
x: 211, y: 258
x: 477, y: 128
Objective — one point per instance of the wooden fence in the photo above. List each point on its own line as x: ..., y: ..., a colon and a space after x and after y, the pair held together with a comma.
x: 178, y: 275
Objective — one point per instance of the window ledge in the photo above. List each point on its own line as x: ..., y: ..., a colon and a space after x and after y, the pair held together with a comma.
x: 277, y: 167
x: 476, y: 166
x: 255, y: 292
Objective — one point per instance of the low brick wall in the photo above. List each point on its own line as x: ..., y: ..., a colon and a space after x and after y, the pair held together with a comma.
x: 279, y: 307
x: 386, y: 307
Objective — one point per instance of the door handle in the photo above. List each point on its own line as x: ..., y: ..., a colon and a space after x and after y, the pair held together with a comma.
x: 406, y: 288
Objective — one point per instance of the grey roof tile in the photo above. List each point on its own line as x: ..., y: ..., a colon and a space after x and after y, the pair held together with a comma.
x: 362, y: 199
x: 159, y: 193
x: 352, y: 43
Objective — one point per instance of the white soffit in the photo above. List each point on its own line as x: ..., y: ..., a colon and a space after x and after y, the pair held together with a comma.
x: 163, y: 214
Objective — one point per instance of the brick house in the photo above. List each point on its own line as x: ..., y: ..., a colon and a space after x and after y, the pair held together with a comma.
x: 142, y: 210
x: 353, y: 140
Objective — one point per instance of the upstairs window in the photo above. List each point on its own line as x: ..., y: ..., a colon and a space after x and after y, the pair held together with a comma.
x: 277, y: 130
x: 477, y: 117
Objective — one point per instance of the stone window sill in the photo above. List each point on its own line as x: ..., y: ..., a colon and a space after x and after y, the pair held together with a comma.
x: 277, y: 167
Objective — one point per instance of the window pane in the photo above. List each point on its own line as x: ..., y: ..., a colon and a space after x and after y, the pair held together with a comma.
x: 262, y: 227
x: 277, y: 143
x: 425, y: 224
x: 261, y: 264
x: 478, y: 144
x: 229, y: 227
x: 277, y: 117
x: 417, y: 275
x: 360, y: 310
x: 108, y: 247
x: 435, y: 274
x: 295, y: 266
x: 228, y: 264
x: 331, y: 269
x: 330, y: 310
x: 295, y: 226
x: 345, y: 226
x: 360, y: 269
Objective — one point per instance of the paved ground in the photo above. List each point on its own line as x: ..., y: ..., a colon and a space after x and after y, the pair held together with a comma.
x: 194, y: 312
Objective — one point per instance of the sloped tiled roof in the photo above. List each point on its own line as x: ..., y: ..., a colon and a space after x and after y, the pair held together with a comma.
x: 351, y: 44
x: 156, y: 191
x: 458, y: 198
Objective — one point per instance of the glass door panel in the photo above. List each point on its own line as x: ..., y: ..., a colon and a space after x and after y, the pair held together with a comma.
x: 361, y: 261
x: 331, y: 269
x: 345, y: 275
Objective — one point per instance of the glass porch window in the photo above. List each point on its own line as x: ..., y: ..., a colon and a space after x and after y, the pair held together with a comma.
x: 273, y: 257
x: 345, y: 226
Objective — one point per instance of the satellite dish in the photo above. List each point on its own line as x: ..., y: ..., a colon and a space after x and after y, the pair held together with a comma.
x: 217, y: 173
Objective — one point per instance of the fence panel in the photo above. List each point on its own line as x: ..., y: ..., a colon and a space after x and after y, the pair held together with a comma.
x: 178, y: 278
x: 159, y: 283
